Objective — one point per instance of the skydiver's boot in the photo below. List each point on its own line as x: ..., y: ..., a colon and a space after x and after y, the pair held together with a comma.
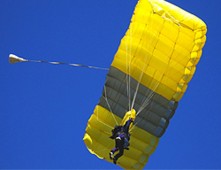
x: 111, y: 154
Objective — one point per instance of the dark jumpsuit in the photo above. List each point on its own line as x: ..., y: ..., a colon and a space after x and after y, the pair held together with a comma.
x: 122, y: 138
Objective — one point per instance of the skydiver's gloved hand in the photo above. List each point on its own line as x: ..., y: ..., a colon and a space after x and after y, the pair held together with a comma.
x: 131, y: 120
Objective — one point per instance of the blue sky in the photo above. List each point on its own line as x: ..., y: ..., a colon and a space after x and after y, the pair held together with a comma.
x: 44, y: 108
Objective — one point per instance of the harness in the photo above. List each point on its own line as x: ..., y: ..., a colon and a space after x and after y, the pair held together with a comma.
x: 119, y: 134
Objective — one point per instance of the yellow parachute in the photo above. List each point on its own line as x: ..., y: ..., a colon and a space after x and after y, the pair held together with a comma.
x: 150, y: 72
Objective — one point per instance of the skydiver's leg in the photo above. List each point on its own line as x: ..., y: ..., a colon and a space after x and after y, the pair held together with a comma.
x: 111, y: 153
x: 120, y: 144
x: 114, y: 150
x: 121, y: 152
x: 116, y: 146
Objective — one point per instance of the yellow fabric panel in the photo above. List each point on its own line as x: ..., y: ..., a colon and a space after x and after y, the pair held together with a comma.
x: 98, y: 131
x: 161, y: 47
x: 183, y: 17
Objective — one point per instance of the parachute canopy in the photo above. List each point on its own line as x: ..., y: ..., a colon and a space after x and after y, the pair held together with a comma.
x: 150, y: 72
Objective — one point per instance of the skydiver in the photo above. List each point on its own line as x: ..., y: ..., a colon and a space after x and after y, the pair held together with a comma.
x: 122, y: 136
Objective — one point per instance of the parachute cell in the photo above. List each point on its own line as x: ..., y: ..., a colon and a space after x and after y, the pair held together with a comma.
x: 150, y: 72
